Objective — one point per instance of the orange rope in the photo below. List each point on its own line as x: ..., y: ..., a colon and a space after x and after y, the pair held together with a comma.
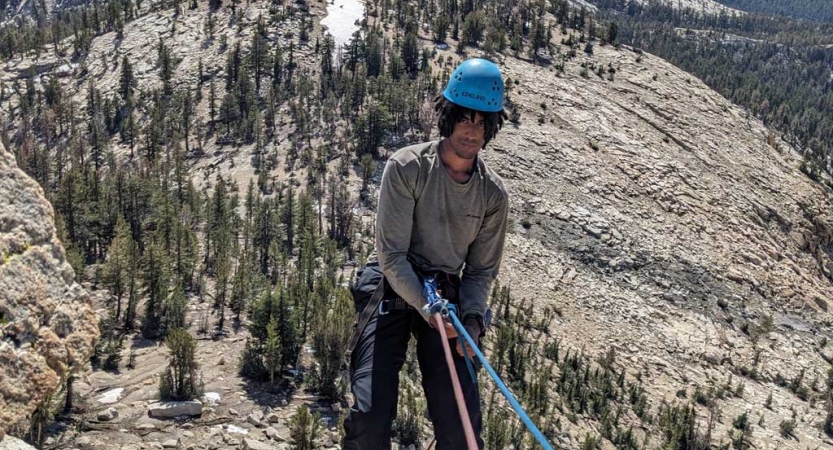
x: 455, y: 382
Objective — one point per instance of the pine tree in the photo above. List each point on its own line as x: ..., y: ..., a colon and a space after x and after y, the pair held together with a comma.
x: 132, y: 294
x: 156, y: 283
x: 116, y: 267
x: 259, y: 54
x: 304, y: 428
x: 187, y: 112
x: 410, y: 53
x: 539, y: 38
x: 277, y: 68
x: 174, y: 311
x: 612, y: 32
x: 371, y: 129
x: 181, y: 381
x: 368, y: 167
x: 273, y: 351
x: 473, y: 28
x: 330, y: 338
x: 127, y: 81
x: 165, y: 62
x: 439, y: 29
x: 212, y: 103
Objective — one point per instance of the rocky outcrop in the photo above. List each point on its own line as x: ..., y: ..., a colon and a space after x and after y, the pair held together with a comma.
x: 670, y: 225
x: 13, y: 443
x: 47, y: 327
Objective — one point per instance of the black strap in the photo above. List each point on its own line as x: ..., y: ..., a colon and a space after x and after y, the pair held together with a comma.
x: 364, y: 317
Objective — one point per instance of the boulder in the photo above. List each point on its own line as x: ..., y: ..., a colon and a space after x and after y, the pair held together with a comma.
x: 256, y: 419
x: 49, y: 327
x: 273, y: 434
x: 111, y: 396
x: 108, y: 414
x: 13, y: 443
x: 251, y: 444
x: 175, y: 409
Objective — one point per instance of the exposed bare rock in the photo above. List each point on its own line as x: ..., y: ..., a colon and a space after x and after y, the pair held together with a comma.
x: 664, y: 224
x: 108, y: 414
x: 251, y: 444
x: 704, y: 6
x: 13, y: 443
x: 48, y: 327
x: 175, y: 409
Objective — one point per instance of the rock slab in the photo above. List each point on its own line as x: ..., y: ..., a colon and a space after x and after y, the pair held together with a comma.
x: 175, y: 409
x: 251, y: 444
x: 13, y: 443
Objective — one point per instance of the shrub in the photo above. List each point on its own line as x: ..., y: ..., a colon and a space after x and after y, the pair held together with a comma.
x: 180, y: 380
x: 408, y: 423
x: 331, y: 337
x: 304, y: 429
x: 741, y: 422
x: 251, y: 362
x: 787, y: 427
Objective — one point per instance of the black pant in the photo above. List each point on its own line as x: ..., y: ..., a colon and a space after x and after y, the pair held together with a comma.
x: 374, y: 372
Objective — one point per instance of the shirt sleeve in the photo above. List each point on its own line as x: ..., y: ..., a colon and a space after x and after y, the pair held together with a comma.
x: 394, y: 222
x: 483, y: 259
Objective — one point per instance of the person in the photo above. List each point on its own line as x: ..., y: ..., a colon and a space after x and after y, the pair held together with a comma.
x: 442, y: 213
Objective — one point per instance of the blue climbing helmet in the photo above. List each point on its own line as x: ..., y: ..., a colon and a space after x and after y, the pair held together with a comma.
x: 476, y: 84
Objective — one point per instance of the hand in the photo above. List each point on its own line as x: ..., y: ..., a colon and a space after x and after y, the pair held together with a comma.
x: 450, y: 331
x: 473, y: 329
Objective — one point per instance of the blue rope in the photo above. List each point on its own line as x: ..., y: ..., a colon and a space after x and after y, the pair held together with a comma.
x: 461, y: 331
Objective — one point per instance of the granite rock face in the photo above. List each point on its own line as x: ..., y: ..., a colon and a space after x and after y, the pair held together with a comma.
x: 13, y: 443
x: 47, y: 326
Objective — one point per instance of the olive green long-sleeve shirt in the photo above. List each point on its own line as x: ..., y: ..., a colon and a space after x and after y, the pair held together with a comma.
x: 429, y: 221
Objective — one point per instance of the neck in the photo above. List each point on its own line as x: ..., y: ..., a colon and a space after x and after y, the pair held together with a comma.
x: 458, y: 167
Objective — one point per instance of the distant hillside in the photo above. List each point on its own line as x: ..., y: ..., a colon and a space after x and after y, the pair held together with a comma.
x: 778, y: 68
x: 821, y: 10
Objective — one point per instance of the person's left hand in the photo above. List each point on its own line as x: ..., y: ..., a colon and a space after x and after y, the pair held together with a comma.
x: 472, y: 327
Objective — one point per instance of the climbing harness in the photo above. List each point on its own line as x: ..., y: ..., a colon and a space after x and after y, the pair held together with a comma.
x: 439, y: 309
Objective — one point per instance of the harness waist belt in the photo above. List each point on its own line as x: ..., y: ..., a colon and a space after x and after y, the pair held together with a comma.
x: 393, y: 304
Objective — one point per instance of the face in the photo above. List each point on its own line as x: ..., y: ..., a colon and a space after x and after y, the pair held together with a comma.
x: 468, y: 136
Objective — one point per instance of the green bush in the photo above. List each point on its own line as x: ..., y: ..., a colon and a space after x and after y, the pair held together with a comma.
x: 741, y: 422
x: 331, y: 335
x: 787, y: 427
x: 180, y: 380
x: 408, y: 423
x: 251, y: 364
x: 304, y: 429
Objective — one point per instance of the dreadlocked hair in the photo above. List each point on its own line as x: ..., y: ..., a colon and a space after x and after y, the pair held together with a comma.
x: 449, y: 113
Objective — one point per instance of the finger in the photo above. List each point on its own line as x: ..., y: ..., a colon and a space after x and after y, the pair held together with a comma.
x: 469, y: 349
x: 450, y: 331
